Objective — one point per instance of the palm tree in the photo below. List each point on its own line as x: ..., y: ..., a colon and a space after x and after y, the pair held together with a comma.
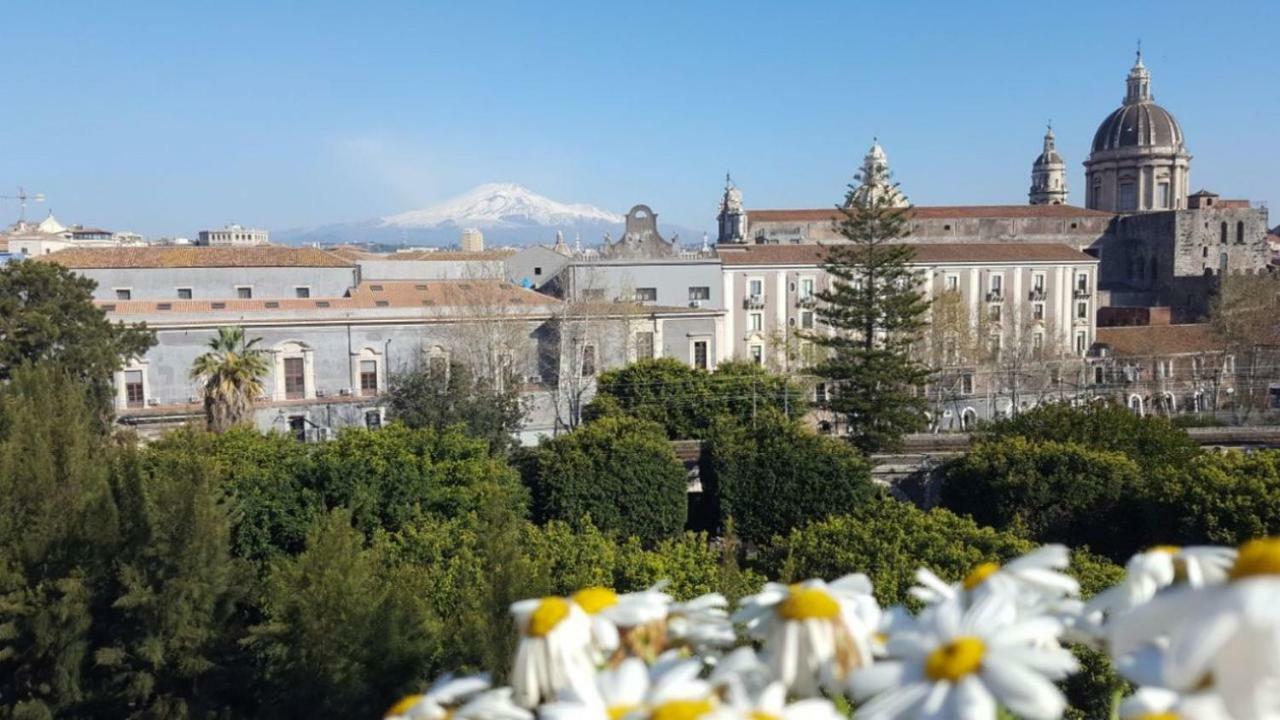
x: 232, y: 371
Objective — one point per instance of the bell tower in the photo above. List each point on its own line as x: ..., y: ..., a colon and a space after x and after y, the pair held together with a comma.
x: 1048, y: 175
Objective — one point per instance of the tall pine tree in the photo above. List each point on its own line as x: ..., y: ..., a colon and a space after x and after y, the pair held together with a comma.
x: 876, y: 310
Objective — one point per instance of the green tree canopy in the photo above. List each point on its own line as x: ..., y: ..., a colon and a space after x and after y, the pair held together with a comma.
x: 876, y: 309
x: 1217, y: 498
x: 47, y: 315
x: 774, y: 474
x: 1059, y: 492
x: 439, y: 396
x: 619, y: 471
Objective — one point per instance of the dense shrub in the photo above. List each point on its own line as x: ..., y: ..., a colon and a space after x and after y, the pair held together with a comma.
x: 1149, y: 441
x: 1057, y: 492
x: 618, y: 471
x: 775, y: 474
x: 1218, y: 498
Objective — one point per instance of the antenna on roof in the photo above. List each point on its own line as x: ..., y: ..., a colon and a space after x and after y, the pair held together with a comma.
x: 22, y: 197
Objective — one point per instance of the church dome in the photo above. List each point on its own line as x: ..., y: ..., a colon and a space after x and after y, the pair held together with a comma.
x: 1141, y: 124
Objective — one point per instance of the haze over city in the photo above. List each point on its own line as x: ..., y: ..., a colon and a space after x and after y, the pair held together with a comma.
x: 163, y: 119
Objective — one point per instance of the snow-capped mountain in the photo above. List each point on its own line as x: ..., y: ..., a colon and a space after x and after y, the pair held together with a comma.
x: 507, y: 214
x: 499, y: 205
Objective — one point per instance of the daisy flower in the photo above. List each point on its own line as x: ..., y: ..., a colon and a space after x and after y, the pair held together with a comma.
x: 1147, y: 573
x: 633, y: 691
x: 1032, y: 580
x: 771, y: 704
x: 701, y: 623
x: 554, y: 651
x: 609, y: 612
x: 1159, y: 704
x: 1226, y: 635
x: 961, y: 663
x: 466, y: 698
x: 813, y: 631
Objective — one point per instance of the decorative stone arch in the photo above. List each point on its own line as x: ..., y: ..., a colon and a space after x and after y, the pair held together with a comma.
x: 1136, y: 405
x: 282, y: 356
x: 968, y: 418
x: 437, y: 358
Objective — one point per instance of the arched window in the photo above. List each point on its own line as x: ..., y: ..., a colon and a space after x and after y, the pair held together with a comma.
x: 1222, y: 238
x: 294, y: 371
x: 1240, y: 232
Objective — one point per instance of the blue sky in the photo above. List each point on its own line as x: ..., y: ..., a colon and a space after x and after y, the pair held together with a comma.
x: 166, y: 117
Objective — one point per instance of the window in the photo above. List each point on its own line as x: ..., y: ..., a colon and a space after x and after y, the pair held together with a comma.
x: 953, y: 283
x: 184, y: 293
x: 1082, y: 311
x: 133, y: 393
x: 1128, y: 200
x: 537, y: 271
x: 699, y: 292
x: 1240, y: 233
x: 1164, y: 369
x: 1037, y: 282
x: 1037, y: 344
x: 244, y: 293
x: 820, y: 393
x: 757, y: 354
x: 295, y: 383
x: 302, y: 292
x: 1162, y: 195
x: 700, y: 354
x: 1082, y: 342
x: 755, y: 287
x: 588, y: 361
x: 1222, y: 235
x: 997, y: 283
x: 646, y: 294
x: 1082, y: 283
x: 1197, y: 366
x: 966, y: 384
x: 1229, y: 364
x: 218, y: 305
x: 124, y: 294
x: 644, y: 345
x: 806, y: 319
x: 164, y: 306
x: 806, y: 287
x: 373, y: 419
x: 368, y: 377
x: 755, y: 321
x: 995, y: 345
x: 1037, y: 311
x: 994, y: 313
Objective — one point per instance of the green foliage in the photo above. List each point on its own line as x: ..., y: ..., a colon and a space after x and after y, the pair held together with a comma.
x: 685, y: 400
x: 439, y: 396
x: 47, y: 315
x: 775, y: 474
x: 888, y: 540
x: 56, y: 534
x: 1149, y: 441
x: 344, y: 629
x: 877, y: 311
x: 618, y: 471
x: 1058, y: 492
x: 1218, y: 498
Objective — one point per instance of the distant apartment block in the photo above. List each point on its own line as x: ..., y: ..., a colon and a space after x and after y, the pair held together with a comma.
x: 472, y: 240
x: 235, y: 235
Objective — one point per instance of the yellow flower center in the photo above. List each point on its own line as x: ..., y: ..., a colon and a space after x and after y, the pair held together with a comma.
x: 1166, y: 549
x: 595, y: 599
x: 1156, y: 716
x: 955, y: 660
x: 682, y: 710
x: 617, y: 712
x: 762, y: 715
x: 548, y: 614
x: 808, y: 603
x: 977, y: 575
x: 404, y: 705
x: 1257, y: 557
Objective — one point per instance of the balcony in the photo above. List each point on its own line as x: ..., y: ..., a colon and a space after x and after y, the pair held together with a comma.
x: 753, y: 302
x: 995, y: 296
x: 1036, y: 295
x: 806, y: 301
x: 1080, y: 293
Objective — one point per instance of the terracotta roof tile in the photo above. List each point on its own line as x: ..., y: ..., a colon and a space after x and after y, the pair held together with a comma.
x: 445, y: 255
x: 392, y: 294
x: 939, y: 212
x: 196, y: 256
x: 1149, y: 340
x: 926, y: 253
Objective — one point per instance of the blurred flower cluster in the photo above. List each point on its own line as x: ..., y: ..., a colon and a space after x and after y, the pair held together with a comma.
x: 1196, y: 629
